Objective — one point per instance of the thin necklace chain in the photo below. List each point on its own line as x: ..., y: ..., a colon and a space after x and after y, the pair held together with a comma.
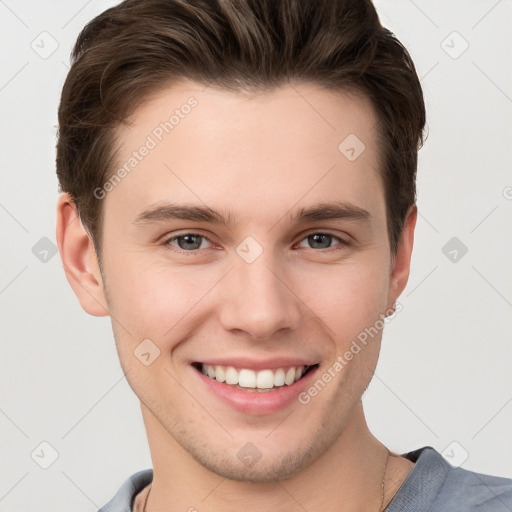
x: 381, y: 508
x: 146, y: 500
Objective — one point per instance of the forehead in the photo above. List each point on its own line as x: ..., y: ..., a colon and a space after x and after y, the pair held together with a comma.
x: 300, y: 111
x: 293, y: 144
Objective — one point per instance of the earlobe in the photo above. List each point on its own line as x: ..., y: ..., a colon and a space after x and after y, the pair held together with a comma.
x: 402, y: 260
x: 79, y: 258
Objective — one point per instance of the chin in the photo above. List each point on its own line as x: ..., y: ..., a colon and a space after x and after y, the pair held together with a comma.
x: 261, y: 471
x: 266, y: 467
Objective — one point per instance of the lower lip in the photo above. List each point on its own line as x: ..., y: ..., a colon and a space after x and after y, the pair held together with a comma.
x: 257, y: 402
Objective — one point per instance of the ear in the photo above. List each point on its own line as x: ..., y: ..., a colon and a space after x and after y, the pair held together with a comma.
x: 401, y: 262
x: 79, y: 258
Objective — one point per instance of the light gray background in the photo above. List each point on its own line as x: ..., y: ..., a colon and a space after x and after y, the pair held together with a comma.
x: 444, y: 372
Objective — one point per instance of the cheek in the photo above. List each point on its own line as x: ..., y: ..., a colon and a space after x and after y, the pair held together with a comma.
x: 352, y: 308
x: 152, y: 301
x: 347, y: 298
x: 150, y: 308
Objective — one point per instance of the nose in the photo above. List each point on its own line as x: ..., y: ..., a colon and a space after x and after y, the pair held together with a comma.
x: 257, y: 299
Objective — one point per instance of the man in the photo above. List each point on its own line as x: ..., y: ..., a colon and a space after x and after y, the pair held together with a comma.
x: 238, y: 184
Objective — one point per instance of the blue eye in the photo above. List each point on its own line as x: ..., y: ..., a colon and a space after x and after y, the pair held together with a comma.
x: 188, y: 242
x: 322, y: 240
x: 192, y: 242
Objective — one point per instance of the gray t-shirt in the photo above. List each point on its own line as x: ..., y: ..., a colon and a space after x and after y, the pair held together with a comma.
x: 433, y: 485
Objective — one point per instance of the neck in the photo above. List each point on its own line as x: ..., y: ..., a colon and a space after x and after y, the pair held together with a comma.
x: 349, y: 472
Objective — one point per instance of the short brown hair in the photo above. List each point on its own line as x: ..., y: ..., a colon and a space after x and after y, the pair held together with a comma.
x: 139, y: 47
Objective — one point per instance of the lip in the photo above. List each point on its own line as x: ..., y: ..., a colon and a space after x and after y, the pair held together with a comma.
x: 262, y: 364
x: 254, y: 402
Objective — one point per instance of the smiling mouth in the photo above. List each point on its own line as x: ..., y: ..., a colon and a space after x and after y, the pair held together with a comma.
x: 257, y: 381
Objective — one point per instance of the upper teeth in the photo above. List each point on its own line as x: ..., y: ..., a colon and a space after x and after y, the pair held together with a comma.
x: 263, y: 379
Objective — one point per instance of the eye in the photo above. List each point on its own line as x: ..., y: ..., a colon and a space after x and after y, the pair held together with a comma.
x: 322, y: 240
x: 188, y: 242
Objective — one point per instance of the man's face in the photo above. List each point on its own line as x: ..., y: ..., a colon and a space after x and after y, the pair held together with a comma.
x: 260, y: 288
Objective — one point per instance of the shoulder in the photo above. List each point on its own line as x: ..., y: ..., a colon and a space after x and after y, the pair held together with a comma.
x: 435, y: 485
x: 124, y: 497
x: 477, y: 491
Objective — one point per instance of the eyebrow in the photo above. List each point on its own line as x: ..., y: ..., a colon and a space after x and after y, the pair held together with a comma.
x: 193, y: 213
x: 197, y: 213
x: 332, y: 211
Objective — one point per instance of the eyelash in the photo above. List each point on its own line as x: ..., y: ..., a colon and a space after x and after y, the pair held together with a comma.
x: 167, y: 242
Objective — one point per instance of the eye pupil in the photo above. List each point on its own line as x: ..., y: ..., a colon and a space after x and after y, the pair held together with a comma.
x: 193, y: 242
x: 320, y: 240
x: 190, y: 242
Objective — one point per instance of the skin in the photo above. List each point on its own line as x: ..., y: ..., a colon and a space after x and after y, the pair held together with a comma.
x: 262, y: 157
